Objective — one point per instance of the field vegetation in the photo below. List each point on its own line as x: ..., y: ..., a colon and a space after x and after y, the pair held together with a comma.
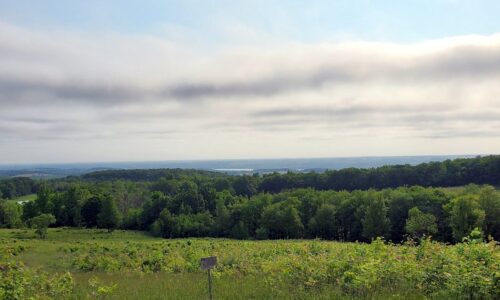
x: 132, y: 265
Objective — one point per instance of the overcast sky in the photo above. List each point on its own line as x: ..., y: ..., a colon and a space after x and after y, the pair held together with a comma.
x: 86, y: 81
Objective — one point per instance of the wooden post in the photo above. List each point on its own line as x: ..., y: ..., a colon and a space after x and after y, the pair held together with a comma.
x: 208, y: 263
x: 209, y: 285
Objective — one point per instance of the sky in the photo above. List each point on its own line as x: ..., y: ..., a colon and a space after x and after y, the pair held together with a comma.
x: 109, y: 80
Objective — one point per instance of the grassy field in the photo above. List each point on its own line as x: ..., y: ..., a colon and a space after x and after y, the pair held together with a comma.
x: 25, y: 198
x: 132, y: 265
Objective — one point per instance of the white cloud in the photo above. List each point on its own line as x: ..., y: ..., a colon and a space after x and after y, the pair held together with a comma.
x: 64, y: 93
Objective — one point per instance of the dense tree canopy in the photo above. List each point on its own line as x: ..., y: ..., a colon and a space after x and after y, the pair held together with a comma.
x: 344, y: 205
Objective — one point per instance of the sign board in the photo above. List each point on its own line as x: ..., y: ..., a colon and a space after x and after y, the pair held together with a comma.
x: 208, y: 263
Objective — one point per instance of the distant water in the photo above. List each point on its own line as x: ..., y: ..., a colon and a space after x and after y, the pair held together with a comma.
x: 243, y: 165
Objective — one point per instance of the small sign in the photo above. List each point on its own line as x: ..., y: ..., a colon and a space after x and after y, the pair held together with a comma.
x: 208, y: 263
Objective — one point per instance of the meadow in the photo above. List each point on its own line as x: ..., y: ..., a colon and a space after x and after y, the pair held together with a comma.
x: 94, y: 264
x: 22, y: 199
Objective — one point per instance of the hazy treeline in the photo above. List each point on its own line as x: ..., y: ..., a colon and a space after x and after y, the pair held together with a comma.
x: 457, y: 172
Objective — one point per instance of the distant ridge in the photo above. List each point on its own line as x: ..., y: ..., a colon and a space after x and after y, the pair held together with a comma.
x: 236, y: 166
x: 324, y: 163
x: 456, y: 172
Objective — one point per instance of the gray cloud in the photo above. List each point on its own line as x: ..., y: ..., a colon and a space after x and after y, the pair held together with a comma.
x: 334, y: 66
x: 452, y: 63
x: 268, y: 86
x: 97, y: 93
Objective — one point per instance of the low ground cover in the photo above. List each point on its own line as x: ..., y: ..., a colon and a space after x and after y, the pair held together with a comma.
x: 81, y: 263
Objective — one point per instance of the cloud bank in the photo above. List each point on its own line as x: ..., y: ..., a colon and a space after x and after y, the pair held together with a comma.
x: 77, y: 96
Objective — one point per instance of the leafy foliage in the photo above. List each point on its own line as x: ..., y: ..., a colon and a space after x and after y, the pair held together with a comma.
x: 10, y: 214
x: 19, y: 282
x: 41, y: 223
x: 430, y: 269
x: 109, y: 217
x: 420, y: 224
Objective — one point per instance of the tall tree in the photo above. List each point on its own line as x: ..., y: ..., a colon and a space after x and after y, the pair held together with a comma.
x: 489, y: 201
x: 188, y: 199
x: 10, y: 214
x: 282, y: 220
x: 375, y: 221
x: 245, y: 185
x: 466, y: 214
x: 90, y: 211
x: 109, y: 216
x: 43, y: 202
x: 72, y: 205
x: 323, y: 224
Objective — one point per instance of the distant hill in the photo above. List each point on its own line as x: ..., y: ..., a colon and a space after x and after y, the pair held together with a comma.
x: 147, y: 174
x: 45, y: 173
x: 235, y: 167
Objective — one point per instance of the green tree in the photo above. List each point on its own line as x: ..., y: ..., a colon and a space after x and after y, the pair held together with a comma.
x: 187, y: 199
x: 29, y: 210
x: 109, y: 217
x: 90, y: 211
x: 43, y: 202
x: 186, y: 225
x: 419, y: 223
x: 350, y: 213
x: 222, y: 219
x: 131, y: 219
x: 245, y: 186
x: 222, y: 184
x: 166, y: 186
x: 163, y: 226
x: 466, y: 214
x: 41, y: 223
x: 10, y: 214
x: 282, y: 220
x: 240, y: 231
x: 152, y: 208
x: 323, y: 224
x: 489, y: 201
x: 73, y: 200
x: 375, y: 221
x: 400, y: 203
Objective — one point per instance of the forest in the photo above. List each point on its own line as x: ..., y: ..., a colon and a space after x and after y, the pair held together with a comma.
x: 393, y: 202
